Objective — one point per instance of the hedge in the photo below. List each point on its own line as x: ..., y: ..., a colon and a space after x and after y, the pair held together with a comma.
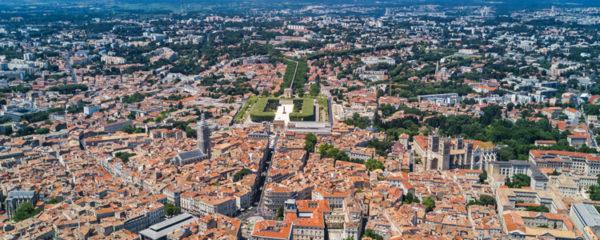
x: 259, y: 113
x: 307, y: 112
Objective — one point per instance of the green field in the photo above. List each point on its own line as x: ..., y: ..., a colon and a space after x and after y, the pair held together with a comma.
x: 264, y: 109
x: 303, y: 110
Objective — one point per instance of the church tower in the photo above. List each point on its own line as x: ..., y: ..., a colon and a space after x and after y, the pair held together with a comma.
x: 203, y: 135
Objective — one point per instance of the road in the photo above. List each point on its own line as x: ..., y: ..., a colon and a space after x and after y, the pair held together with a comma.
x: 69, y: 67
x: 257, y: 209
x: 294, y: 77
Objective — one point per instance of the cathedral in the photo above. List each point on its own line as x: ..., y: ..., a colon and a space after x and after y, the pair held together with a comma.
x: 203, y: 150
x: 444, y: 153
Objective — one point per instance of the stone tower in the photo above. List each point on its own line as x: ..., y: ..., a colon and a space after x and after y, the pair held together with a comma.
x: 203, y: 135
x: 445, y: 153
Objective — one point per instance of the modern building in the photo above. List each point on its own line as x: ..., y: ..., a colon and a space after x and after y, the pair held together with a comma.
x: 445, y: 99
x: 318, y: 128
x: 377, y: 60
x: 160, y: 230
x: 89, y: 110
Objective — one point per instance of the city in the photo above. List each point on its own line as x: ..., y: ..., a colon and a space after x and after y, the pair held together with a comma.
x: 308, y: 120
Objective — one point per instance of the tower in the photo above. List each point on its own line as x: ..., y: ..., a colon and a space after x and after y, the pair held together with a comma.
x: 445, y: 151
x: 203, y: 135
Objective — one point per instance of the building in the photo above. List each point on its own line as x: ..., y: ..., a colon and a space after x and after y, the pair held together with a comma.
x: 303, y: 220
x: 160, y: 230
x: 444, y: 153
x: 509, y: 169
x: 16, y: 198
x: 579, y: 163
x: 535, y: 225
x: 89, y: 110
x: 271, y: 230
x: 373, y: 76
x: 585, y: 217
x: 117, y: 126
x: 203, y: 150
x: 112, y: 60
x: 519, y: 199
x: 150, y: 215
x: 317, y: 128
x: 377, y: 60
x: 173, y: 196
x: 444, y: 99
x: 308, y: 218
x: 206, y: 205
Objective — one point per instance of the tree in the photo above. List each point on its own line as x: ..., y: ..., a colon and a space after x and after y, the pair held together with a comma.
x: 136, y: 97
x: 372, y: 234
x: 172, y: 210
x: 484, y: 200
x: 490, y: 113
x: 358, y: 121
x: 124, y: 156
x: 487, y: 200
x: 25, y: 211
x: 540, y: 208
x: 594, y: 192
x: 429, y: 202
x: 280, y: 212
x: 381, y: 147
x: 483, y: 177
x: 410, y: 198
x: 387, y: 110
x: 8, y: 131
x: 265, y: 93
x: 373, y: 164
x: 131, y: 116
x: 329, y: 151
x: 510, y: 106
x: 518, y: 181
x: 506, y: 154
x: 309, y: 142
x: 315, y: 89
x: 130, y: 130
x: 69, y: 89
x: 60, y: 126
x: 241, y: 174
x: 42, y: 131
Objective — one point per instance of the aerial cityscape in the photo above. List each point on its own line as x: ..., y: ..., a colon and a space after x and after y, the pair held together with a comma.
x: 299, y: 120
